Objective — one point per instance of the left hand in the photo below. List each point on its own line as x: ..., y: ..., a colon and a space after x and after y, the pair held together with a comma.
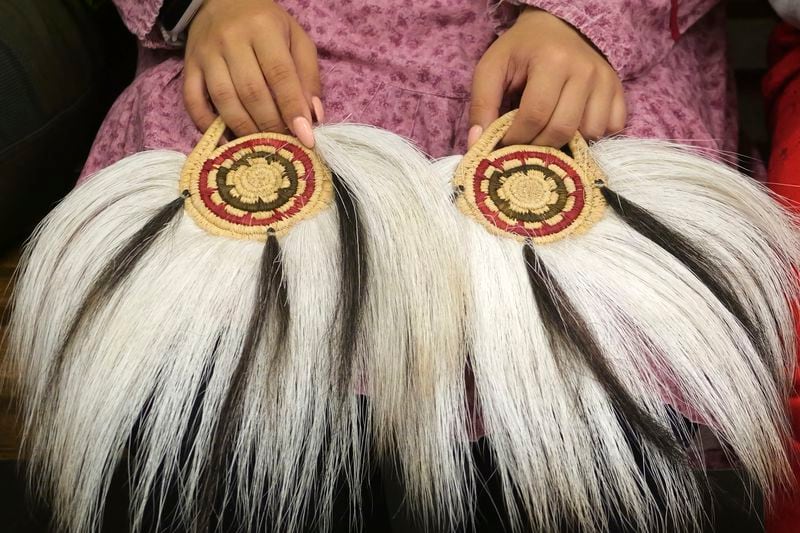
x: 566, y: 85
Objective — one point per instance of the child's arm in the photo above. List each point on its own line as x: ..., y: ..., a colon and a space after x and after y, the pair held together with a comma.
x: 569, y: 58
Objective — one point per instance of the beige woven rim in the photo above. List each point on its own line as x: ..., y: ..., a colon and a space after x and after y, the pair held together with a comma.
x: 207, y: 148
x: 581, y: 161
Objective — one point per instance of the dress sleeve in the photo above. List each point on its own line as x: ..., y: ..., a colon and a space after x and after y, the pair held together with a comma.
x: 632, y: 34
x: 141, y: 18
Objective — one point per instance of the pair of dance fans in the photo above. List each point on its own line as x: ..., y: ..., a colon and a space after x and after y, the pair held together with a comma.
x: 255, y: 323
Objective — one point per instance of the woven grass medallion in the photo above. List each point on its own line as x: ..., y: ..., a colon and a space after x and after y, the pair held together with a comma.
x: 255, y: 186
x: 530, y: 192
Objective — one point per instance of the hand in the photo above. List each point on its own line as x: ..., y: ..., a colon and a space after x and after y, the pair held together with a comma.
x: 566, y: 84
x: 256, y: 64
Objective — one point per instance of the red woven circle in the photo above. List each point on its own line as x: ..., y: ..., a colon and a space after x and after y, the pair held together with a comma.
x: 489, y: 169
x: 209, y: 189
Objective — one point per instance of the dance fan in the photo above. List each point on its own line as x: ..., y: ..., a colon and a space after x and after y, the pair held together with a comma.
x: 613, y: 288
x: 212, y: 318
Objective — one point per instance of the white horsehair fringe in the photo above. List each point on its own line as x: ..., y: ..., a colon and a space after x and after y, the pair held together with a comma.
x: 225, y: 368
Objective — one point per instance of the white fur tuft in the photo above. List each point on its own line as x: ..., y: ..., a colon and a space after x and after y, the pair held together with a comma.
x: 558, y: 445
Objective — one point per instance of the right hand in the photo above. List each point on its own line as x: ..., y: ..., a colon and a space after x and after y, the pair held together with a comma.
x: 257, y: 66
x: 566, y: 84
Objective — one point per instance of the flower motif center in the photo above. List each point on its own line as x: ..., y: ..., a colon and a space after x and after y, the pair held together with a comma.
x: 260, y: 180
x: 529, y: 191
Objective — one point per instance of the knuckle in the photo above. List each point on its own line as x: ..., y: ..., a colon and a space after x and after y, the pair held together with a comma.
x: 194, y: 106
x: 535, y: 116
x: 228, y: 36
x: 608, y: 79
x: 302, y: 37
x: 271, y: 124
x: 592, y: 131
x: 589, y: 71
x: 517, y: 137
x: 279, y: 73
x: 562, y: 130
x: 200, y: 54
x: 557, y: 135
x: 608, y: 75
x: 222, y: 94
x: 481, y: 98
x: 478, y: 106
x: 240, y: 125
x: 262, y: 20
x: 274, y: 127
x: 557, y: 55
x: 251, y: 92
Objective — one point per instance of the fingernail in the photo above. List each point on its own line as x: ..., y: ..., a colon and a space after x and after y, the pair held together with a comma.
x: 301, y: 128
x: 473, y: 135
x: 319, y: 113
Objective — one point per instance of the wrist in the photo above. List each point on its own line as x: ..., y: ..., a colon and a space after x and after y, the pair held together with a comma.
x: 543, y: 21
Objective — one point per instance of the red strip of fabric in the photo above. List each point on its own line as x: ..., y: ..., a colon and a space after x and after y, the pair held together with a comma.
x: 782, y: 90
x: 673, y: 21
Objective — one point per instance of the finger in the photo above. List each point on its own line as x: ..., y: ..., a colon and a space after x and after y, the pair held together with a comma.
x: 279, y: 69
x: 539, y: 100
x: 225, y: 98
x: 567, y: 116
x: 619, y: 112
x: 195, y: 99
x: 598, y: 110
x: 252, y: 89
x: 488, y: 87
x: 304, y: 54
